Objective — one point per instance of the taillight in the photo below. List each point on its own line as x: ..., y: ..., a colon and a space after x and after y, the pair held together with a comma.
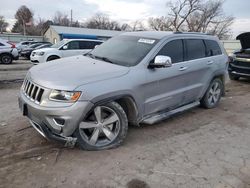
x: 12, y: 44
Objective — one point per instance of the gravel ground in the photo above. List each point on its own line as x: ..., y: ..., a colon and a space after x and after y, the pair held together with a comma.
x: 199, y: 148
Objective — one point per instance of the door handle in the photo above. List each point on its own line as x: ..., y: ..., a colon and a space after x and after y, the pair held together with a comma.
x: 210, y: 62
x: 183, y: 68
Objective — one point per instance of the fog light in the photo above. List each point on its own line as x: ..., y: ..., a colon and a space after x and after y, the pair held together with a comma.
x: 59, y: 121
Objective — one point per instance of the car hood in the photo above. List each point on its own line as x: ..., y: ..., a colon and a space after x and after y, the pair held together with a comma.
x: 244, y: 40
x: 69, y: 73
x: 46, y: 50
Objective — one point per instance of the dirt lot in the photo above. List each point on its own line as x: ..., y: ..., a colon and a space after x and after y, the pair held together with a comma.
x: 199, y: 148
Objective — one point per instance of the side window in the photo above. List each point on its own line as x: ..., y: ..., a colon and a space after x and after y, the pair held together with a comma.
x: 213, y: 48
x: 173, y: 49
x: 195, y: 49
x: 73, y: 45
x: 1, y: 44
x: 89, y: 44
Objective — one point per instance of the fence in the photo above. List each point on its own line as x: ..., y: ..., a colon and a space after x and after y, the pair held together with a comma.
x: 231, y: 45
x: 18, y: 37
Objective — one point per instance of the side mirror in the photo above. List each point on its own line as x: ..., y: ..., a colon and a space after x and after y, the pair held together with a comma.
x: 65, y: 47
x: 161, y: 61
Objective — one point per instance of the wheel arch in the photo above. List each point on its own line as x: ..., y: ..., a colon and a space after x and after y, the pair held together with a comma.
x: 127, y: 102
x: 52, y: 55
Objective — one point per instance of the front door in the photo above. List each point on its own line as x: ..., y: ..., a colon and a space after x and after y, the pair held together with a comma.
x: 164, y: 88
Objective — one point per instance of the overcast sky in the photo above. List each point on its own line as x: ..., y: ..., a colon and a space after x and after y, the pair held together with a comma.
x: 120, y: 10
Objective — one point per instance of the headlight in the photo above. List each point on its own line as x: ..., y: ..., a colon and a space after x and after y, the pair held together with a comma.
x: 67, y: 96
x: 39, y: 53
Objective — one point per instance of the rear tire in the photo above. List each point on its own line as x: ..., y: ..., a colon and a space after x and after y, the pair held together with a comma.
x: 53, y: 57
x: 233, y: 77
x: 213, y: 94
x: 104, y: 128
x: 6, y: 59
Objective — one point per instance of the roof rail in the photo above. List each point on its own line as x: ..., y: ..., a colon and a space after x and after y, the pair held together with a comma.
x: 194, y: 33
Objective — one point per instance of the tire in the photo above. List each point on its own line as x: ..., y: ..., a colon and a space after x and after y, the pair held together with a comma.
x: 213, y: 94
x: 233, y: 77
x: 6, y: 59
x: 53, y: 57
x: 105, y: 131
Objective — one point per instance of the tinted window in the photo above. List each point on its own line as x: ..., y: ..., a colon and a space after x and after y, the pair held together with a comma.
x: 213, y: 48
x: 195, y: 49
x: 1, y: 44
x: 89, y: 44
x: 73, y: 45
x: 173, y: 49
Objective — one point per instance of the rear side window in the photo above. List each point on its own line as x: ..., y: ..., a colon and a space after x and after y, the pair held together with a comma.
x: 213, y: 48
x: 195, y: 49
x: 173, y: 49
x: 89, y: 44
x: 1, y: 44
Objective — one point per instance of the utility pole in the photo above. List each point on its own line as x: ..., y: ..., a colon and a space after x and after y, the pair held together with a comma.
x: 24, y: 28
x: 71, y: 17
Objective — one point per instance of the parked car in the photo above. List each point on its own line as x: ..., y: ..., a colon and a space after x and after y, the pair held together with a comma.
x: 26, y: 52
x: 24, y: 44
x: 239, y: 66
x: 8, y: 52
x: 136, y: 77
x: 65, y: 48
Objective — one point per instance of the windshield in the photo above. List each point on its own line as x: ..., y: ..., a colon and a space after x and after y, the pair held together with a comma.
x: 124, y: 50
x: 57, y: 45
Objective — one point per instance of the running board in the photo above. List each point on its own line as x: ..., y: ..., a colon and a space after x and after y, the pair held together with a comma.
x: 160, y: 117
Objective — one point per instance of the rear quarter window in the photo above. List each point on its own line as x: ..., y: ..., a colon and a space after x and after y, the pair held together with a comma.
x: 213, y: 48
x: 195, y: 49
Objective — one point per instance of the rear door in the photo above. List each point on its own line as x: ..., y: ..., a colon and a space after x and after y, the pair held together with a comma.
x: 87, y: 46
x: 198, y: 69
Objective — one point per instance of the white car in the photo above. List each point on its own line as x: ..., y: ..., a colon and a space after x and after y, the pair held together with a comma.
x: 8, y: 52
x: 64, y: 48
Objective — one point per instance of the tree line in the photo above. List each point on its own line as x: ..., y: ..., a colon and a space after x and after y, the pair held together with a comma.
x: 182, y: 15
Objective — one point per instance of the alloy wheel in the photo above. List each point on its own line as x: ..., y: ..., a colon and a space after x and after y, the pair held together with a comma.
x: 101, y: 127
x: 214, y: 93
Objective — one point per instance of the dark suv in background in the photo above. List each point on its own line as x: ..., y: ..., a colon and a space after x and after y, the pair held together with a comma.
x: 239, y: 65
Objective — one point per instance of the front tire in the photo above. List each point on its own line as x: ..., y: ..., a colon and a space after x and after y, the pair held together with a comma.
x: 213, y: 94
x: 6, y: 59
x: 53, y: 57
x: 233, y: 77
x: 104, y: 128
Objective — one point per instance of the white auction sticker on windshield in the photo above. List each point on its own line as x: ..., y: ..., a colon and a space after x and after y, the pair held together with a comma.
x: 147, y: 41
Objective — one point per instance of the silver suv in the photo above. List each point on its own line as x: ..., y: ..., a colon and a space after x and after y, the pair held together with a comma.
x: 134, y: 78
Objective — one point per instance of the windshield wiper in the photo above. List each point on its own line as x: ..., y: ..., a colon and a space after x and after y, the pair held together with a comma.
x: 99, y: 57
x: 90, y: 55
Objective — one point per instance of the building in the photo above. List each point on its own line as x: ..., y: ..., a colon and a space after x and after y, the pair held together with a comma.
x: 56, y: 33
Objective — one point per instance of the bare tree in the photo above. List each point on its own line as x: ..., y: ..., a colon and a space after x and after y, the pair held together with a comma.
x: 24, y: 18
x: 61, y: 19
x: 211, y: 19
x: 160, y: 24
x: 195, y: 16
x: 3, y: 24
x: 102, y: 21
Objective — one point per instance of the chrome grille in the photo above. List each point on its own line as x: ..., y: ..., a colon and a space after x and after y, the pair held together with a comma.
x: 32, y: 91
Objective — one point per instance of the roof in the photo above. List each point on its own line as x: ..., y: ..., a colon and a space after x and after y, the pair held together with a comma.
x: 79, y: 31
x: 161, y: 34
x: 150, y: 34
